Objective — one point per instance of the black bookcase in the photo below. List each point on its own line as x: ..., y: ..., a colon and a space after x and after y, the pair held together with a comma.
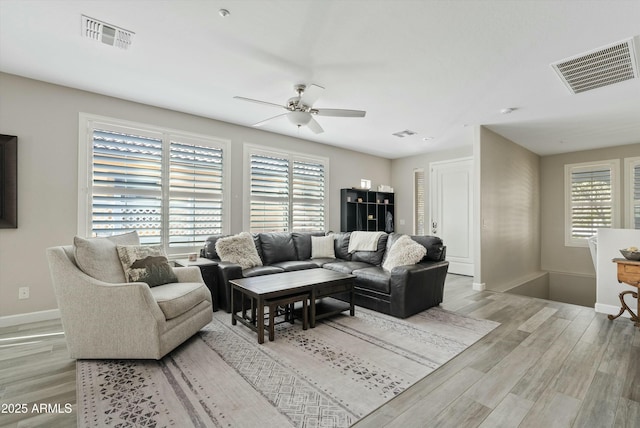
x: 366, y: 210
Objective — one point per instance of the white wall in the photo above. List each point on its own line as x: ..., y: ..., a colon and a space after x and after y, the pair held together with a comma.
x: 45, y: 119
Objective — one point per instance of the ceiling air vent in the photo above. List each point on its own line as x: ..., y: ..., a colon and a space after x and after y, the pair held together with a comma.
x: 601, y: 67
x: 106, y: 33
x: 405, y: 133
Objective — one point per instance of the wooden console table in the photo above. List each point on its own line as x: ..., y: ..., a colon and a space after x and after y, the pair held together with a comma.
x: 628, y: 273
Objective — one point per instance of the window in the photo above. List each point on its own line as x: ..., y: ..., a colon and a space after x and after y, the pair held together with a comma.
x: 166, y: 185
x: 591, y: 197
x: 418, y: 202
x: 632, y: 184
x: 286, y: 192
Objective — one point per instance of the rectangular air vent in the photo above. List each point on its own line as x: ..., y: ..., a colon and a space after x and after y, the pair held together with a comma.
x: 405, y: 133
x: 106, y: 33
x: 601, y: 67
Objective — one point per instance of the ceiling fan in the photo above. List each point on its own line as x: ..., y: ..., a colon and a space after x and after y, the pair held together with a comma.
x: 300, y: 109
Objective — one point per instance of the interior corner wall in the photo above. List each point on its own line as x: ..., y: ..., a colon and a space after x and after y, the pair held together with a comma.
x: 509, y: 213
x: 572, y: 274
x: 45, y: 119
x: 402, y: 170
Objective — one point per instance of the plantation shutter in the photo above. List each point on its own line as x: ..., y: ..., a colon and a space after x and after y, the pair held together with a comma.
x: 636, y: 196
x: 419, y: 202
x: 195, y: 193
x: 269, y: 194
x: 591, y: 201
x: 308, y: 196
x: 127, y: 185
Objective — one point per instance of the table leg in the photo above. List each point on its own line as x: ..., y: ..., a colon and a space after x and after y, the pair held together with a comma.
x: 352, y: 309
x: 305, y: 313
x: 260, y: 320
x: 312, y: 303
x: 271, y: 323
x: 233, y: 312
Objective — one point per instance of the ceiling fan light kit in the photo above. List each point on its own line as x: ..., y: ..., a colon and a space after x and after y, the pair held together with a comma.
x: 300, y: 108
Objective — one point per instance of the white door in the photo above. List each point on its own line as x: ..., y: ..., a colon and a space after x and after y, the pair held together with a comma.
x: 452, y: 211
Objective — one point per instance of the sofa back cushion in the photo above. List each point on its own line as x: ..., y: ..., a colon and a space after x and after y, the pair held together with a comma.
x: 434, y: 246
x: 341, y: 245
x: 302, y: 242
x: 209, y: 250
x: 277, y: 247
x: 372, y: 257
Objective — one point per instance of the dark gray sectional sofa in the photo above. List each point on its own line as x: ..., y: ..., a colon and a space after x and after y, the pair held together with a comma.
x: 404, y: 291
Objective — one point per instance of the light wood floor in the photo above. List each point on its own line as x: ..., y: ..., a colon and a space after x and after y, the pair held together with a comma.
x: 547, y: 364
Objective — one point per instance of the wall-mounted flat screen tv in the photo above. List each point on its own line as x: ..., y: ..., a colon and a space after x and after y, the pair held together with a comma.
x: 8, y: 181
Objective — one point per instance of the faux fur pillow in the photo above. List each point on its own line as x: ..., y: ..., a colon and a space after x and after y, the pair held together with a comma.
x: 405, y: 251
x: 143, y: 263
x: 239, y: 249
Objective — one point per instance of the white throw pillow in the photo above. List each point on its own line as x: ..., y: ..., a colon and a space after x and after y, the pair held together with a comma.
x: 239, y: 249
x: 405, y: 251
x: 322, y: 247
x: 98, y: 257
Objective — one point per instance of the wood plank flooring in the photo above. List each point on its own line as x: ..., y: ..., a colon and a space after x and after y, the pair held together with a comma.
x: 548, y: 364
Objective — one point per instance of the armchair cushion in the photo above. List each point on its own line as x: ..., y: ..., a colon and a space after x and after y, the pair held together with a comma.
x: 98, y: 257
x: 239, y: 249
x: 146, y: 264
x: 177, y: 298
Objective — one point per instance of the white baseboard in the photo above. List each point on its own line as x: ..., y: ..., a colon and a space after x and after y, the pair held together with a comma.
x: 10, y: 320
x: 611, y: 310
x: 479, y: 286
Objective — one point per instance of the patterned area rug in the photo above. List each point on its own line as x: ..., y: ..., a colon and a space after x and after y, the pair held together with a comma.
x: 329, y: 376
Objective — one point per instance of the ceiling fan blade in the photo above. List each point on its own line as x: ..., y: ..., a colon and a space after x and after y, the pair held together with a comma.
x: 311, y: 94
x: 315, y: 126
x: 336, y: 112
x: 262, y: 122
x: 259, y: 102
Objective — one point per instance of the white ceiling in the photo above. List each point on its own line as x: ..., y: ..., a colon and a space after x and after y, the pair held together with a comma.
x: 433, y: 67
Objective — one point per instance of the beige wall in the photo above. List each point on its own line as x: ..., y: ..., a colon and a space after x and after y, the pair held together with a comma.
x: 573, y: 274
x: 509, y: 213
x: 45, y: 119
x: 402, y: 178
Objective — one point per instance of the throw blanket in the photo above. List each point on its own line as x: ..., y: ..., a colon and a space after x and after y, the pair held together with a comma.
x: 364, y: 241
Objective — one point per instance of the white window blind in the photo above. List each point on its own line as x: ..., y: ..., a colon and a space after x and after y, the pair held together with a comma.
x: 591, y: 200
x: 195, y: 193
x: 636, y: 196
x: 286, y: 193
x: 166, y: 186
x: 418, y: 202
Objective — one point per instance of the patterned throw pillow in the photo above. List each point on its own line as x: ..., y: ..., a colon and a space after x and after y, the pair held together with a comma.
x: 239, y: 249
x: 146, y: 264
x: 405, y: 251
x: 322, y: 247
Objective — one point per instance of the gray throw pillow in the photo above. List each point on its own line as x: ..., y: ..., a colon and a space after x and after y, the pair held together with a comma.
x: 98, y: 257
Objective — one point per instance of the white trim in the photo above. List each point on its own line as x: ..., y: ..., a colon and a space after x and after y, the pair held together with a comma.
x: 479, y: 286
x: 610, y: 310
x: 614, y: 165
x: 30, y: 317
x: 629, y: 165
x: 252, y: 148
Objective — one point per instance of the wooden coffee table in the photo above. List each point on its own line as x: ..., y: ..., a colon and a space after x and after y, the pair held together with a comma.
x: 310, y: 283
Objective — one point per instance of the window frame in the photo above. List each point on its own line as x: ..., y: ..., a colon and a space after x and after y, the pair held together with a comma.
x: 292, y: 156
x: 630, y: 164
x: 569, y: 169
x: 88, y: 122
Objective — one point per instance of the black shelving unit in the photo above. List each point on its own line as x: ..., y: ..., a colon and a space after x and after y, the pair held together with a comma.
x: 365, y: 210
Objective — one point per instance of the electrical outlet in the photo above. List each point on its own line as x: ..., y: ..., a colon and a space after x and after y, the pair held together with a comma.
x: 23, y: 293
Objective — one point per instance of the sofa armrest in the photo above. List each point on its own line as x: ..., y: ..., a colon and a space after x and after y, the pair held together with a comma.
x: 415, y: 288
x: 227, y: 271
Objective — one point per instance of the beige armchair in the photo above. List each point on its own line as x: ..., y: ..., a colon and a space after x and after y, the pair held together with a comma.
x: 126, y: 320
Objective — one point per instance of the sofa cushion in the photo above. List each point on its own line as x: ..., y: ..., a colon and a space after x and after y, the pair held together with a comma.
x: 295, y: 265
x: 175, y: 299
x: 372, y: 257
x: 405, y: 251
x: 261, y: 270
x: 98, y: 257
x: 322, y: 262
x: 373, y: 278
x: 345, y: 267
x: 322, y: 247
x: 433, y: 244
x: 302, y: 242
x: 277, y: 247
x: 239, y: 249
x: 341, y: 245
x: 146, y: 263
x: 209, y: 250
